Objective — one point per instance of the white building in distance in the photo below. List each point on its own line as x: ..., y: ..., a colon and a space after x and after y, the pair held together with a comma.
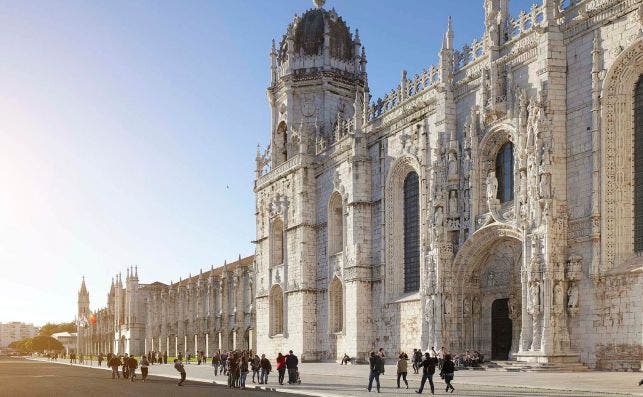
x: 13, y: 331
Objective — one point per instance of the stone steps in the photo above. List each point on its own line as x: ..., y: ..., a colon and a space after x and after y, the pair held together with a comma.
x: 521, y: 366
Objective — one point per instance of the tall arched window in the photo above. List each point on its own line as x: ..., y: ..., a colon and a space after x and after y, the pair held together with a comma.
x: 411, y: 233
x: 277, y: 242
x: 336, y: 306
x: 280, y: 145
x: 335, y: 224
x: 505, y: 172
x: 277, y: 311
x: 638, y: 166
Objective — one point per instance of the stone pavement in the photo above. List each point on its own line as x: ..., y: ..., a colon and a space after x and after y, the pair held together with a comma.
x: 351, y: 380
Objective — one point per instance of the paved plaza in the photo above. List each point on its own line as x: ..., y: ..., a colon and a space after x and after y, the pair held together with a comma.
x: 20, y: 377
x: 351, y: 381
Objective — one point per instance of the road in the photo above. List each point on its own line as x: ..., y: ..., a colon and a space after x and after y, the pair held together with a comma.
x: 19, y: 377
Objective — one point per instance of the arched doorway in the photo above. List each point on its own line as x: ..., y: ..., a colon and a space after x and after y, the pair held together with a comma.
x: 484, y: 314
x: 501, y: 330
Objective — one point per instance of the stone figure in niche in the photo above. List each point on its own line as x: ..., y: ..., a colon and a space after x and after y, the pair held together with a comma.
x: 466, y: 307
x: 447, y: 305
x: 558, y: 295
x: 465, y: 201
x: 439, y: 217
x: 572, y: 297
x: 513, y: 307
x: 452, y: 166
x: 534, y: 297
x: 453, y: 203
x: 492, y: 186
x: 545, y: 185
x: 466, y: 164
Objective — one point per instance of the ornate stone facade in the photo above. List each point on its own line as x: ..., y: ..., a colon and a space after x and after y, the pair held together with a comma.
x: 522, y: 143
x: 213, y: 310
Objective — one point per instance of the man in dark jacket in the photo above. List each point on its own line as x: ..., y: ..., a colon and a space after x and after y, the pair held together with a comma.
x: 132, y: 364
x: 291, y: 364
x: 428, y: 369
x: 376, y: 365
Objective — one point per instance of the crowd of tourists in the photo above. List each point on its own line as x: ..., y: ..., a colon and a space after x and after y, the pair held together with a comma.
x: 427, y: 362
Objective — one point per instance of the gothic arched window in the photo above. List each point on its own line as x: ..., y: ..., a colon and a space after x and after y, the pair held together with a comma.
x: 638, y: 166
x: 277, y: 311
x: 336, y: 306
x: 411, y: 233
x: 505, y: 172
x: 280, y: 144
x: 335, y: 224
x: 277, y: 242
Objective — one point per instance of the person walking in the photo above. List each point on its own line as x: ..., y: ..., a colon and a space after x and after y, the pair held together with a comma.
x: 441, y: 354
x: 164, y: 357
x: 281, y: 367
x: 255, y: 365
x: 178, y: 365
x: 216, y: 361
x: 113, y: 363
x: 428, y: 369
x: 100, y: 359
x: 402, y: 369
x: 132, y: 364
x: 376, y: 364
x: 224, y: 363
x: 291, y: 364
x: 125, y: 368
x: 243, y: 371
x: 266, y: 367
x: 447, y: 372
x: 145, y: 362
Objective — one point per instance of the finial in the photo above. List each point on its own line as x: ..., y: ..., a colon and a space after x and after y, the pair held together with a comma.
x: 136, y: 270
x: 357, y: 35
x: 319, y: 3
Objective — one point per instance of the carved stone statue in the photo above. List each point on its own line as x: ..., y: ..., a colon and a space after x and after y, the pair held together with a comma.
x: 453, y: 203
x: 439, y: 217
x: 492, y: 186
x: 545, y: 185
x: 572, y: 297
x: 452, y: 167
x: 558, y: 295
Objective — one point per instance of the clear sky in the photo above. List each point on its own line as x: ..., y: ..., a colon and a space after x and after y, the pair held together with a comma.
x: 128, y: 131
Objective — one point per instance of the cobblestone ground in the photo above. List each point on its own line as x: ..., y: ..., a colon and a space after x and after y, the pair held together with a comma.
x: 351, y: 381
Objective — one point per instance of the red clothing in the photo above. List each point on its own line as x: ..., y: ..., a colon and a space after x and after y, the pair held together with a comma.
x: 281, y: 362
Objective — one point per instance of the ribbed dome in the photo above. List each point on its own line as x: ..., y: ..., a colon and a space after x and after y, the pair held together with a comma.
x: 308, y: 35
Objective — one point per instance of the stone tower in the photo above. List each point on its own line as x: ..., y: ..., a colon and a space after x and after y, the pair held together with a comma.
x: 317, y: 96
x: 83, y: 312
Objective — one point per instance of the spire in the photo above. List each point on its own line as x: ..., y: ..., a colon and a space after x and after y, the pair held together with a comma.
x: 83, y: 288
x: 447, y: 40
x: 136, y: 272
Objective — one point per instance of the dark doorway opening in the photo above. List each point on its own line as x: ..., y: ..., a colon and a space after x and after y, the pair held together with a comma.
x: 500, y: 330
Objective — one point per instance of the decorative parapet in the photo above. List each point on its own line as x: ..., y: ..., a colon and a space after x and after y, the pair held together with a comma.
x: 296, y: 162
x: 525, y: 22
x: 406, y: 89
x: 468, y: 54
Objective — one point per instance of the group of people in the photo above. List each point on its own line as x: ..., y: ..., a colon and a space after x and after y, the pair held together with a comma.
x: 128, y: 365
x: 238, y: 364
x: 428, y: 362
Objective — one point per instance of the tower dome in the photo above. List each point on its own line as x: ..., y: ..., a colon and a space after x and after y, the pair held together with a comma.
x: 318, y: 33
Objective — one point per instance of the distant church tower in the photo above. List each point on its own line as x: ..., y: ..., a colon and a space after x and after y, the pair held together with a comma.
x: 83, y: 315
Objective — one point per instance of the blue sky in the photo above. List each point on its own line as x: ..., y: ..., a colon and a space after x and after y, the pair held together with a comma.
x: 128, y: 131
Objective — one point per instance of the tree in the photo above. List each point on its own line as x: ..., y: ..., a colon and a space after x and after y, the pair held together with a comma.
x: 41, y: 343
x: 51, y: 328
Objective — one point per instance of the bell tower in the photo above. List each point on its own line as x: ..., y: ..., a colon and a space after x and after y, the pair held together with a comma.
x: 317, y: 94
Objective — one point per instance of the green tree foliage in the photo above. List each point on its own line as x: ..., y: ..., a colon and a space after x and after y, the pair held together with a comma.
x: 38, y: 343
x: 50, y: 328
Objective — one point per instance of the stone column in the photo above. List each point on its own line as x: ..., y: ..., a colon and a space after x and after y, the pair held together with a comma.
x: 526, y: 333
x: 546, y: 342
